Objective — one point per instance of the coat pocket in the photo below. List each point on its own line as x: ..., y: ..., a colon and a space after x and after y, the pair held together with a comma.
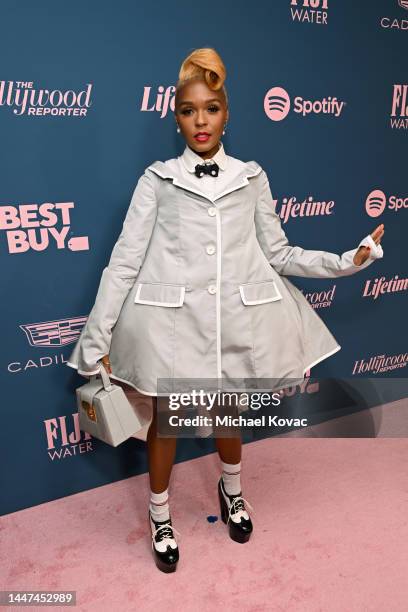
x: 160, y: 294
x: 259, y: 292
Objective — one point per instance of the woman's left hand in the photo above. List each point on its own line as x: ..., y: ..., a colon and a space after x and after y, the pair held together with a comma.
x: 363, y: 252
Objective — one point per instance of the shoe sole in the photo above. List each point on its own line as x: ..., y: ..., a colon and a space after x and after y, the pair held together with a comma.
x: 164, y: 567
x: 241, y: 538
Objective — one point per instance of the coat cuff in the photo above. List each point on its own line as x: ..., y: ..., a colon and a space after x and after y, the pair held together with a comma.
x: 86, y: 357
x: 376, y: 252
x: 84, y: 372
x: 376, y: 249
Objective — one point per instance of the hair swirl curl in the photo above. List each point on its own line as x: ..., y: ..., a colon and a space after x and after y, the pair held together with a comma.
x: 203, y: 64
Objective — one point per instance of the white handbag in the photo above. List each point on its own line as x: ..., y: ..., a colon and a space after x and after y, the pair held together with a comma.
x: 104, y: 410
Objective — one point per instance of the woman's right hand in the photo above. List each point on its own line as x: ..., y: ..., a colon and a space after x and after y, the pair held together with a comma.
x: 106, y: 364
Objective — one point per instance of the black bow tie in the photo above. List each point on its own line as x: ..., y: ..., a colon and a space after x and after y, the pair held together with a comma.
x: 202, y: 169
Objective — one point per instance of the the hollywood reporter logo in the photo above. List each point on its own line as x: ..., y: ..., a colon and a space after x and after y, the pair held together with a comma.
x: 35, y: 226
x: 25, y: 99
x: 277, y: 104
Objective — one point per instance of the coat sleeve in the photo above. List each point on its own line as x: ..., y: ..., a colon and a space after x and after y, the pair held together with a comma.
x: 293, y: 260
x: 117, y: 278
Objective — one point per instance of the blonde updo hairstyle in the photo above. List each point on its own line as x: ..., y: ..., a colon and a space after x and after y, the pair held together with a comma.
x: 203, y: 64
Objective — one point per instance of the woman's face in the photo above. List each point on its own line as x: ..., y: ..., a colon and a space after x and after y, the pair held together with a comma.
x: 200, y: 109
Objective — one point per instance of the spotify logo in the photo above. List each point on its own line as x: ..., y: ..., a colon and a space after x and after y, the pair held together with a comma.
x: 276, y: 104
x: 375, y: 203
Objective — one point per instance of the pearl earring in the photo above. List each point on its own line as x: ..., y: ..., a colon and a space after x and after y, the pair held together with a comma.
x: 178, y: 129
x: 224, y: 129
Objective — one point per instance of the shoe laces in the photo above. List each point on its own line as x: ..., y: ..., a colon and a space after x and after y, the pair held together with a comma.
x: 166, y: 532
x: 237, y: 504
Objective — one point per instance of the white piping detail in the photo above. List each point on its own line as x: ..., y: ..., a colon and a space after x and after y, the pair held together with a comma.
x: 179, y: 183
x: 139, y: 300
x: 278, y: 295
x: 149, y: 393
x: 72, y: 365
x: 245, y: 182
x: 338, y: 347
x: 197, y: 191
x: 218, y: 295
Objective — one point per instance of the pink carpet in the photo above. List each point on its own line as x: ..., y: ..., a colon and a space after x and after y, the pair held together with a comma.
x: 330, y: 534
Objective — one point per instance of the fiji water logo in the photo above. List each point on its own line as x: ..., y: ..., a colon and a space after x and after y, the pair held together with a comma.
x: 380, y: 286
x: 277, y: 105
x: 399, y: 107
x: 54, y: 333
x: 33, y: 227
x: 396, y: 22
x: 307, y: 208
x: 376, y: 203
x: 380, y: 363
x: 25, y: 99
x: 65, y: 439
x: 309, y: 11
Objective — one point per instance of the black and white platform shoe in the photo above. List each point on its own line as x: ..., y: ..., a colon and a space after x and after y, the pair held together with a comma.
x: 234, y: 514
x: 164, y: 545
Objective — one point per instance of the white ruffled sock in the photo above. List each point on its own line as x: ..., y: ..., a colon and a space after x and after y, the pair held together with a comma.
x: 159, y: 505
x: 231, y: 477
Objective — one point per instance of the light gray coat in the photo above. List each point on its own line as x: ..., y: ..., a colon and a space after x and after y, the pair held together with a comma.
x: 196, y: 288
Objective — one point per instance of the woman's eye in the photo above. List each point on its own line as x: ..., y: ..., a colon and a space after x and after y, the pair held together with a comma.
x: 212, y: 109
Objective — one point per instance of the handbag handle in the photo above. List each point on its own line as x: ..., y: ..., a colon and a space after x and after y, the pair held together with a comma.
x: 105, y: 378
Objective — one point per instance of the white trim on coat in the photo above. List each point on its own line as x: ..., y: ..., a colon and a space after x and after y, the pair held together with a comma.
x: 72, y: 365
x: 139, y: 300
x: 338, y: 347
x: 179, y: 183
x: 218, y: 294
x: 150, y: 394
x: 277, y: 296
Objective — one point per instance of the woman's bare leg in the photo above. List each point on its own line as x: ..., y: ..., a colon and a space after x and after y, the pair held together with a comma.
x: 229, y: 449
x: 161, y: 453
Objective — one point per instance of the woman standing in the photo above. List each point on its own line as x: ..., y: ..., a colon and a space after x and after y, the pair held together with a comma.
x: 196, y: 287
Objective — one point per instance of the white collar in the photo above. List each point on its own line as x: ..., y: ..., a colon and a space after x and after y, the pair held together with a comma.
x: 190, y: 158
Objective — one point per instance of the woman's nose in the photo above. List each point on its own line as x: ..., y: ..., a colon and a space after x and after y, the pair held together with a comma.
x: 200, y: 120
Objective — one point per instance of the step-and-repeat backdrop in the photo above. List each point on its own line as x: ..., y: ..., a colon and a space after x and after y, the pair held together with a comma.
x: 86, y: 103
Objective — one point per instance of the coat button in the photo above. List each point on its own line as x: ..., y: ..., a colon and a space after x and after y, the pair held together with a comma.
x: 210, y: 249
x: 212, y: 289
x: 212, y: 211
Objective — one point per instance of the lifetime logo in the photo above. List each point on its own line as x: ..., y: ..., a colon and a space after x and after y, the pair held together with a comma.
x: 381, y: 285
x: 277, y: 105
x: 376, y: 203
